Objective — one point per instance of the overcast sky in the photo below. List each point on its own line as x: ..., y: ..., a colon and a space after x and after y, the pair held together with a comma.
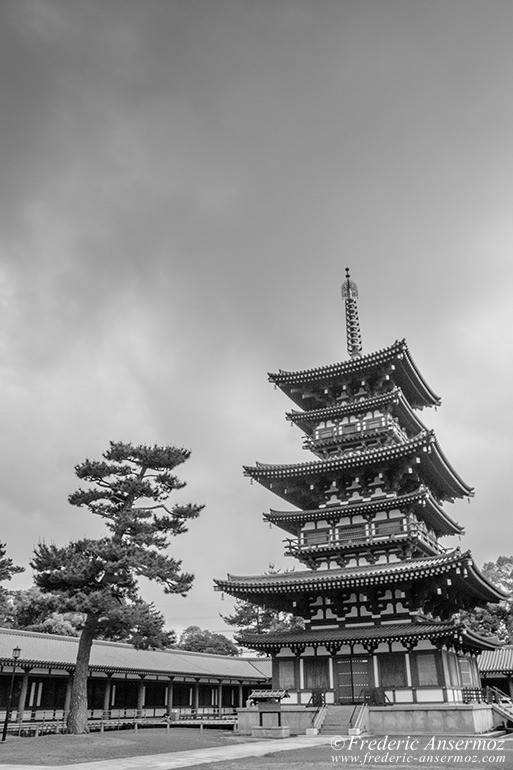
x: 182, y: 185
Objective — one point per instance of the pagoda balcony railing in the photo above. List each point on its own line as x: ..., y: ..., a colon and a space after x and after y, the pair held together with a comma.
x: 333, y: 541
x: 354, y: 431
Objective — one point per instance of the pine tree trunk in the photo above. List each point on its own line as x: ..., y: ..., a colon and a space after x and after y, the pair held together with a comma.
x: 77, y: 717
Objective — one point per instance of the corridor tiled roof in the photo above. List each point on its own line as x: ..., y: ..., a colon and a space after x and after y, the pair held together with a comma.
x: 497, y: 661
x: 61, y: 651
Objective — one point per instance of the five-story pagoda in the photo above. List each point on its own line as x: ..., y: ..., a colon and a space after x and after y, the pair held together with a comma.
x: 378, y: 591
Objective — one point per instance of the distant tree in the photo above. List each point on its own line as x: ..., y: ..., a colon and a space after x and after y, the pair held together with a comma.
x: 500, y: 572
x: 99, y: 578
x: 7, y: 570
x: 495, y: 619
x: 198, y: 640
x: 250, y: 618
x: 34, y: 610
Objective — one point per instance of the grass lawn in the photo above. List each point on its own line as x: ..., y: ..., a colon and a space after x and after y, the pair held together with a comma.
x: 114, y: 744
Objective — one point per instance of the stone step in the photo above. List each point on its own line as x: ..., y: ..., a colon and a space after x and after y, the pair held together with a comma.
x: 337, y: 719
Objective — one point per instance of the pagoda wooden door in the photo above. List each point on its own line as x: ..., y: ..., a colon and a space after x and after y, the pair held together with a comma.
x: 353, y: 677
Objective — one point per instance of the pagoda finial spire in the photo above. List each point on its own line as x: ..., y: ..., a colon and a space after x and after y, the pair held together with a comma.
x: 354, y: 338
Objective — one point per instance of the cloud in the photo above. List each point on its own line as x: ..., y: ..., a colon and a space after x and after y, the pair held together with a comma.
x: 182, y: 187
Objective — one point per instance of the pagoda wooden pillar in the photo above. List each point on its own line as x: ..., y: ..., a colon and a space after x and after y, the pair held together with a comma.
x: 195, y: 701
x: 241, y: 695
x: 375, y: 668
x: 510, y: 686
x: 408, y: 669
x: 220, y: 696
x: 301, y: 678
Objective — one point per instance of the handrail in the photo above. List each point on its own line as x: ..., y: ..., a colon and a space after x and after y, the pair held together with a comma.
x: 496, y: 695
x: 360, y: 716
x: 357, y: 705
x: 294, y: 546
x: 319, y: 717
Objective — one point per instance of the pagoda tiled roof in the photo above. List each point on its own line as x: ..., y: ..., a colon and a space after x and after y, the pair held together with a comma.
x: 55, y: 651
x: 497, y: 661
x: 453, y: 562
x: 307, y: 420
x: 442, y: 475
x: 365, y: 634
x: 433, y: 513
x: 406, y: 374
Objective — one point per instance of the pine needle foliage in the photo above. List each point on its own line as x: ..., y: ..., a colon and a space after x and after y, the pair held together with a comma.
x: 7, y: 570
x: 7, y: 566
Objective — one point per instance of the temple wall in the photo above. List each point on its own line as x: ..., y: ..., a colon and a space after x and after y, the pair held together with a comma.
x: 426, y: 675
x: 443, y: 719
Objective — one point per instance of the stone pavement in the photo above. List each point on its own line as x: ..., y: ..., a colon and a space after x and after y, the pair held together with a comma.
x: 192, y: 758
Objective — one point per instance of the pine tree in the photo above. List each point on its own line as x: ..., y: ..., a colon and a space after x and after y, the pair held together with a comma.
x: 7, y: 570
x: 250, y: 618
x: 129, y: 489
x: 7, y: 566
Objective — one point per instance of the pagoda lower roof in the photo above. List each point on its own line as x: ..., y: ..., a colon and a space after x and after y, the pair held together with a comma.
x: 440, y: 475
x: 335, y: 638
x: 307, y: 420
x: 405, y: 374
x: 453, y: 563
x: 431, y: 512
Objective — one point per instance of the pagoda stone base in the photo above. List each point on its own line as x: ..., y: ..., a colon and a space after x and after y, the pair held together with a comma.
x: 270, y: 732
x: 296, y: 718
x: 431, y: 719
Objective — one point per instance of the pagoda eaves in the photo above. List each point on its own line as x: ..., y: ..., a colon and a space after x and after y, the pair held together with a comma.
x: 446, y: 632
x: 406, y: 375
x: 423, y: 449
x: 461, y: 564
x: 307, y: 420
x: 433, y: 513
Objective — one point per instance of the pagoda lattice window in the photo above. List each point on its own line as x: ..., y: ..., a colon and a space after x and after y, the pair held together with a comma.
x: 425, y: 669
x: 466, y: 672
x: 317, y: 537
x: 392, y: 669
x: 316, y: 673
x: 353, y: 532
x: 392, y: 527
x: 286, y: 674
x: 454, y: 669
